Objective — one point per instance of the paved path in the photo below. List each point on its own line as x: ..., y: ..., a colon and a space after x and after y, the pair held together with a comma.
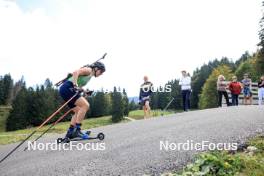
x: 133, y: 148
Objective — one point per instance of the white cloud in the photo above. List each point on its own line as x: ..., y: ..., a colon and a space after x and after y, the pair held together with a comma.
x: 153, y: 37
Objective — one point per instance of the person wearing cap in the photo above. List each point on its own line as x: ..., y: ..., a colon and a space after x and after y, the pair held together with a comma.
x: 185, y: 83
x: 144, y: 96
x: 247, y: 84
x: 78, y: 79
x: 235, y: 89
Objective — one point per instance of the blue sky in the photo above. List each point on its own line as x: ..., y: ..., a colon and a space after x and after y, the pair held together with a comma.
x: 29, y: 5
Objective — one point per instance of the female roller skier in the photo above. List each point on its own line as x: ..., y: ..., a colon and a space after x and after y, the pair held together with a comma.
x: 79, y: 104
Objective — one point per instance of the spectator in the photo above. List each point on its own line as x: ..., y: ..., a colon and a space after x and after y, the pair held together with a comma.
x: 235, y: 88
x: 144, y: 96
x: 261, y: 90
x: 185, y: 83
x: 246, y: 84
x: 189, y: 101
x: 221, y: 89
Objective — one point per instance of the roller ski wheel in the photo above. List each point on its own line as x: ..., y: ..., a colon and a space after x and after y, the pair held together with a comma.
x: 101, y: 136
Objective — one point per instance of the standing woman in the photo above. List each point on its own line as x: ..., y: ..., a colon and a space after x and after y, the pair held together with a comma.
x: 144, y: 96
x: 221, y: 89
x: 185, y: 83
x: 79, y: 104
x: 247, y: 84
x: 261, y: 90
x: 235, y: 89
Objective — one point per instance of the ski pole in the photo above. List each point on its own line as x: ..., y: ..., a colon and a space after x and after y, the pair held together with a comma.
x: 167, y: 106
x: 88, y: 93
x: 51, y: 116
x: 57, y: 121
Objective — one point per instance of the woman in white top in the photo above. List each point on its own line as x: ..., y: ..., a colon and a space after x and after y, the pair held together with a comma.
x: 185, y: 83
x: 261, y: 90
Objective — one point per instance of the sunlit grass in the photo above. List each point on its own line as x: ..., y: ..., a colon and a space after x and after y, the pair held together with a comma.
x: 19, y: 135
x: 139, y: 114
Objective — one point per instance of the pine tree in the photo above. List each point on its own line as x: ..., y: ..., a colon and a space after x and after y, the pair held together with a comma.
x: 50, y: 100
x: 125, y: 102
x: 163, y: 98
x: 99, y: 104
x: 117, y: 106
x: 244, y: 57
x: 2, y: 96
x: 261, y: 32
x: 132, y: 105
x: 154, y: 100
x: 34, y: 106
x: 176, y: 94
x: 260, y: 59
x: 18, y: 115
x: 108, y: 100
x: 249, y: 67
x: 16, y: 88
x: 6, y: 84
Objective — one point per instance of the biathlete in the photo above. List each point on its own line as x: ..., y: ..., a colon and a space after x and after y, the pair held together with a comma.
x: 79, y: 104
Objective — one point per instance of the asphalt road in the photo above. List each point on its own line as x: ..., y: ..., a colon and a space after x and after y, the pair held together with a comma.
x: 134, y: 148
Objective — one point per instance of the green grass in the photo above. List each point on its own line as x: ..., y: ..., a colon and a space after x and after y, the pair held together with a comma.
x: 254, y: 165
x: 19, y: 135
x: 222, y: 163
x: 4, y: 112
x: 139, y: 114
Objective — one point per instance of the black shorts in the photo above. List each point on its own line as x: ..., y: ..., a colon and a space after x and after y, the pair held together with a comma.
x: 67, y: 92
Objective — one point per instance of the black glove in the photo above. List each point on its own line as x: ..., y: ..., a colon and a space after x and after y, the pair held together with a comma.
x: 78, y: 89
x: 88, y: 92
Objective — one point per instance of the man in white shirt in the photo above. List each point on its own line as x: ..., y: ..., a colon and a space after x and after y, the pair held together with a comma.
x: 185, y: 83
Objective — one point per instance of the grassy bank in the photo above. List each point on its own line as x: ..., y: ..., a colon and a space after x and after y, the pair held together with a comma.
x: 19, y: 135
x: 139, y: 114
x: 249, y: 161
x: 4, y: 112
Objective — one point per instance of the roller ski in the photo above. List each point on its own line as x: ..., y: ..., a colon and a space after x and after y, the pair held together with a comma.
x: 78, y: 135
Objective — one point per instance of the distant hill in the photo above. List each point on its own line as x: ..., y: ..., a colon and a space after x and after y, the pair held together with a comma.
x: 133, y: 98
